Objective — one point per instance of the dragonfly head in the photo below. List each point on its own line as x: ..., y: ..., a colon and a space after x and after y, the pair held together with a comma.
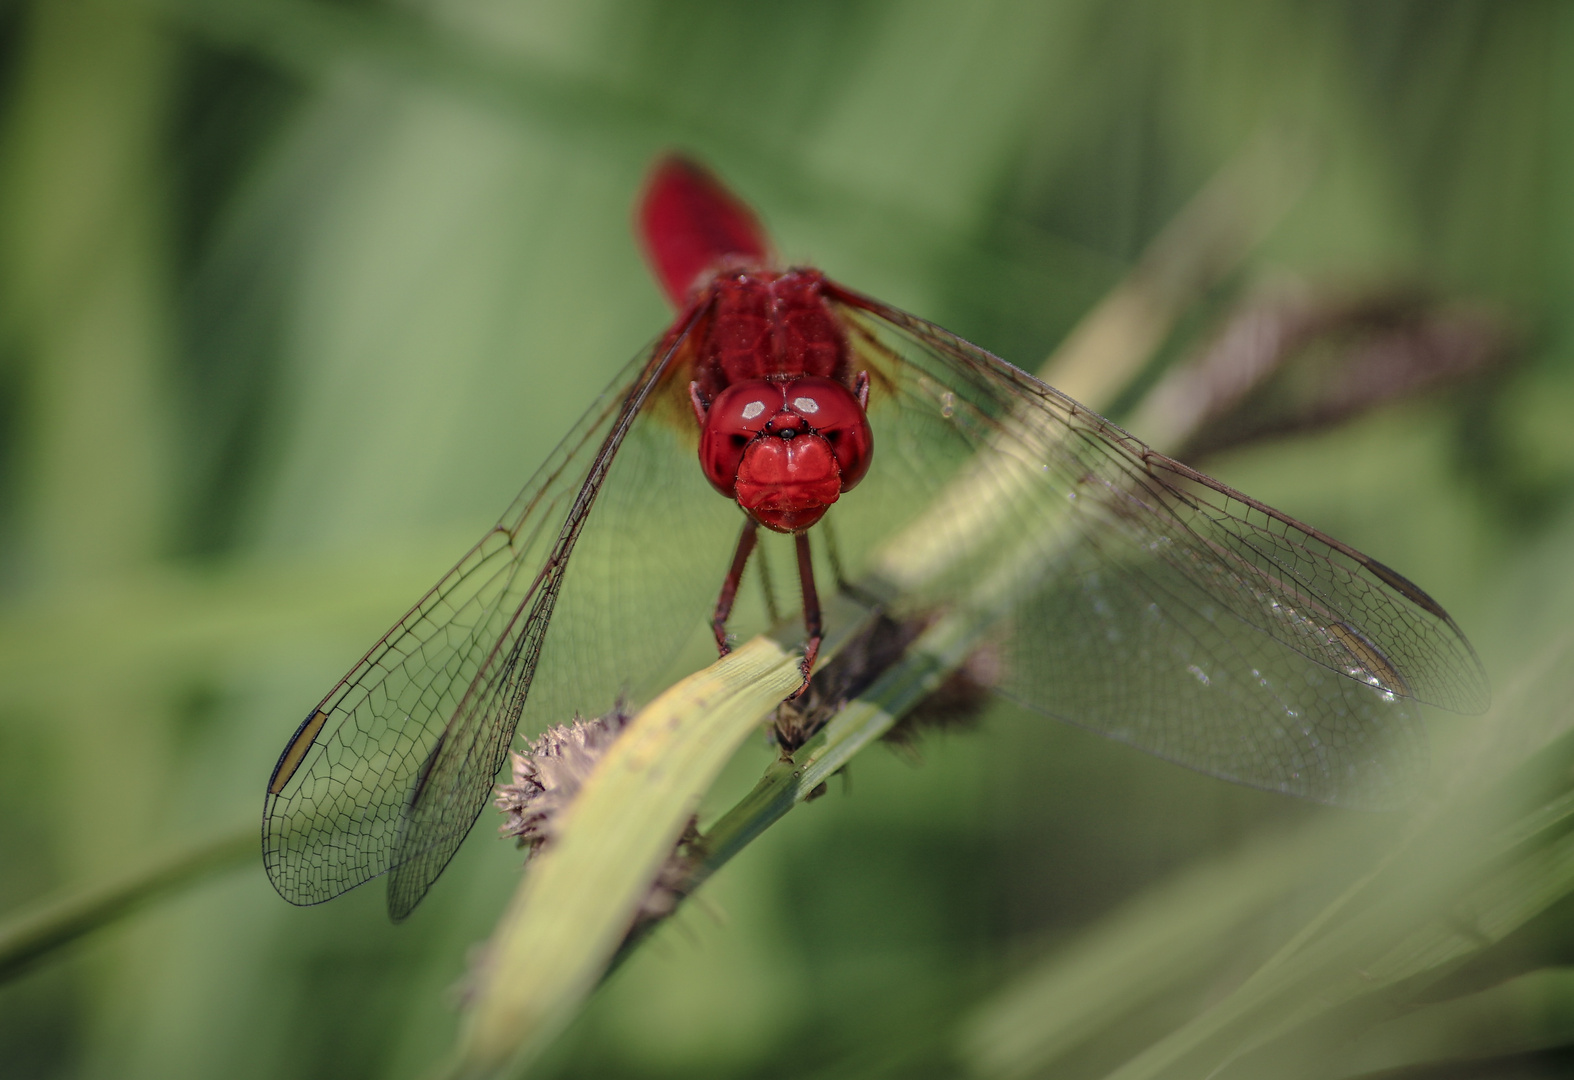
x: 785, y: 449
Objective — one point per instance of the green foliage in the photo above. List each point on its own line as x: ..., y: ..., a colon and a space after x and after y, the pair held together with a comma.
x: 295, y: 293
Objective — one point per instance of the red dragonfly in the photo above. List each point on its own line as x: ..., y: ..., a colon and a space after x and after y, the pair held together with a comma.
x: 1158, y: 606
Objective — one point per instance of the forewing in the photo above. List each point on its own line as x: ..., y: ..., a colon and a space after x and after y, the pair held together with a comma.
x: 1146, y: 600
x: 393, y: 766
x: 649, y: 552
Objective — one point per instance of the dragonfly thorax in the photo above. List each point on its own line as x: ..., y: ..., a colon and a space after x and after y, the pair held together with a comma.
x: 764, y: 324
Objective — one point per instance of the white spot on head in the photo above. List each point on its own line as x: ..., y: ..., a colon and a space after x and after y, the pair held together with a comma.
x: 753, y: 409
x: 806, y: 404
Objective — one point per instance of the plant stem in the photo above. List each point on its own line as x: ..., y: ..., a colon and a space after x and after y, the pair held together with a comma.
x: 27, y: 937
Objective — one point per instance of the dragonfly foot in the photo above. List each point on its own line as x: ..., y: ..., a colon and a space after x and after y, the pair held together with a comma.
x: 806, y: 666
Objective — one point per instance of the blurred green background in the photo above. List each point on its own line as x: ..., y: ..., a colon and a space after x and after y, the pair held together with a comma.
x: 295, y: 293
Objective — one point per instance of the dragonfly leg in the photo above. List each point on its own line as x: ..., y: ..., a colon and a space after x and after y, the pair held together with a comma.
x: 729, y: 588
x: 811, y: 610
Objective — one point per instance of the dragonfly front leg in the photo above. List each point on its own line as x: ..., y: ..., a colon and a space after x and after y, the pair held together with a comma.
x: 729, y: 588
x: 811, y: 610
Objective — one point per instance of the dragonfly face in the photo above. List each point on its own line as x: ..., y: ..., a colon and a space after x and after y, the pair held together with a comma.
x: 1144, y: 599
x: 786, y: 449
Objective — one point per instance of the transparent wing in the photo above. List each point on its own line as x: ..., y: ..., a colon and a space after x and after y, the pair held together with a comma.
x: 391, y: 769
x: 1146, y: 601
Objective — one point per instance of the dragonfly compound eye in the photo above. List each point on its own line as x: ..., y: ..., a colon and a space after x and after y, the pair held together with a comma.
x: 738, y: 414
x: 831, y: 411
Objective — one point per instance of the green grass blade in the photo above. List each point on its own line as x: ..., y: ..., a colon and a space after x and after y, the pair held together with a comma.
x: 579, y: 897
